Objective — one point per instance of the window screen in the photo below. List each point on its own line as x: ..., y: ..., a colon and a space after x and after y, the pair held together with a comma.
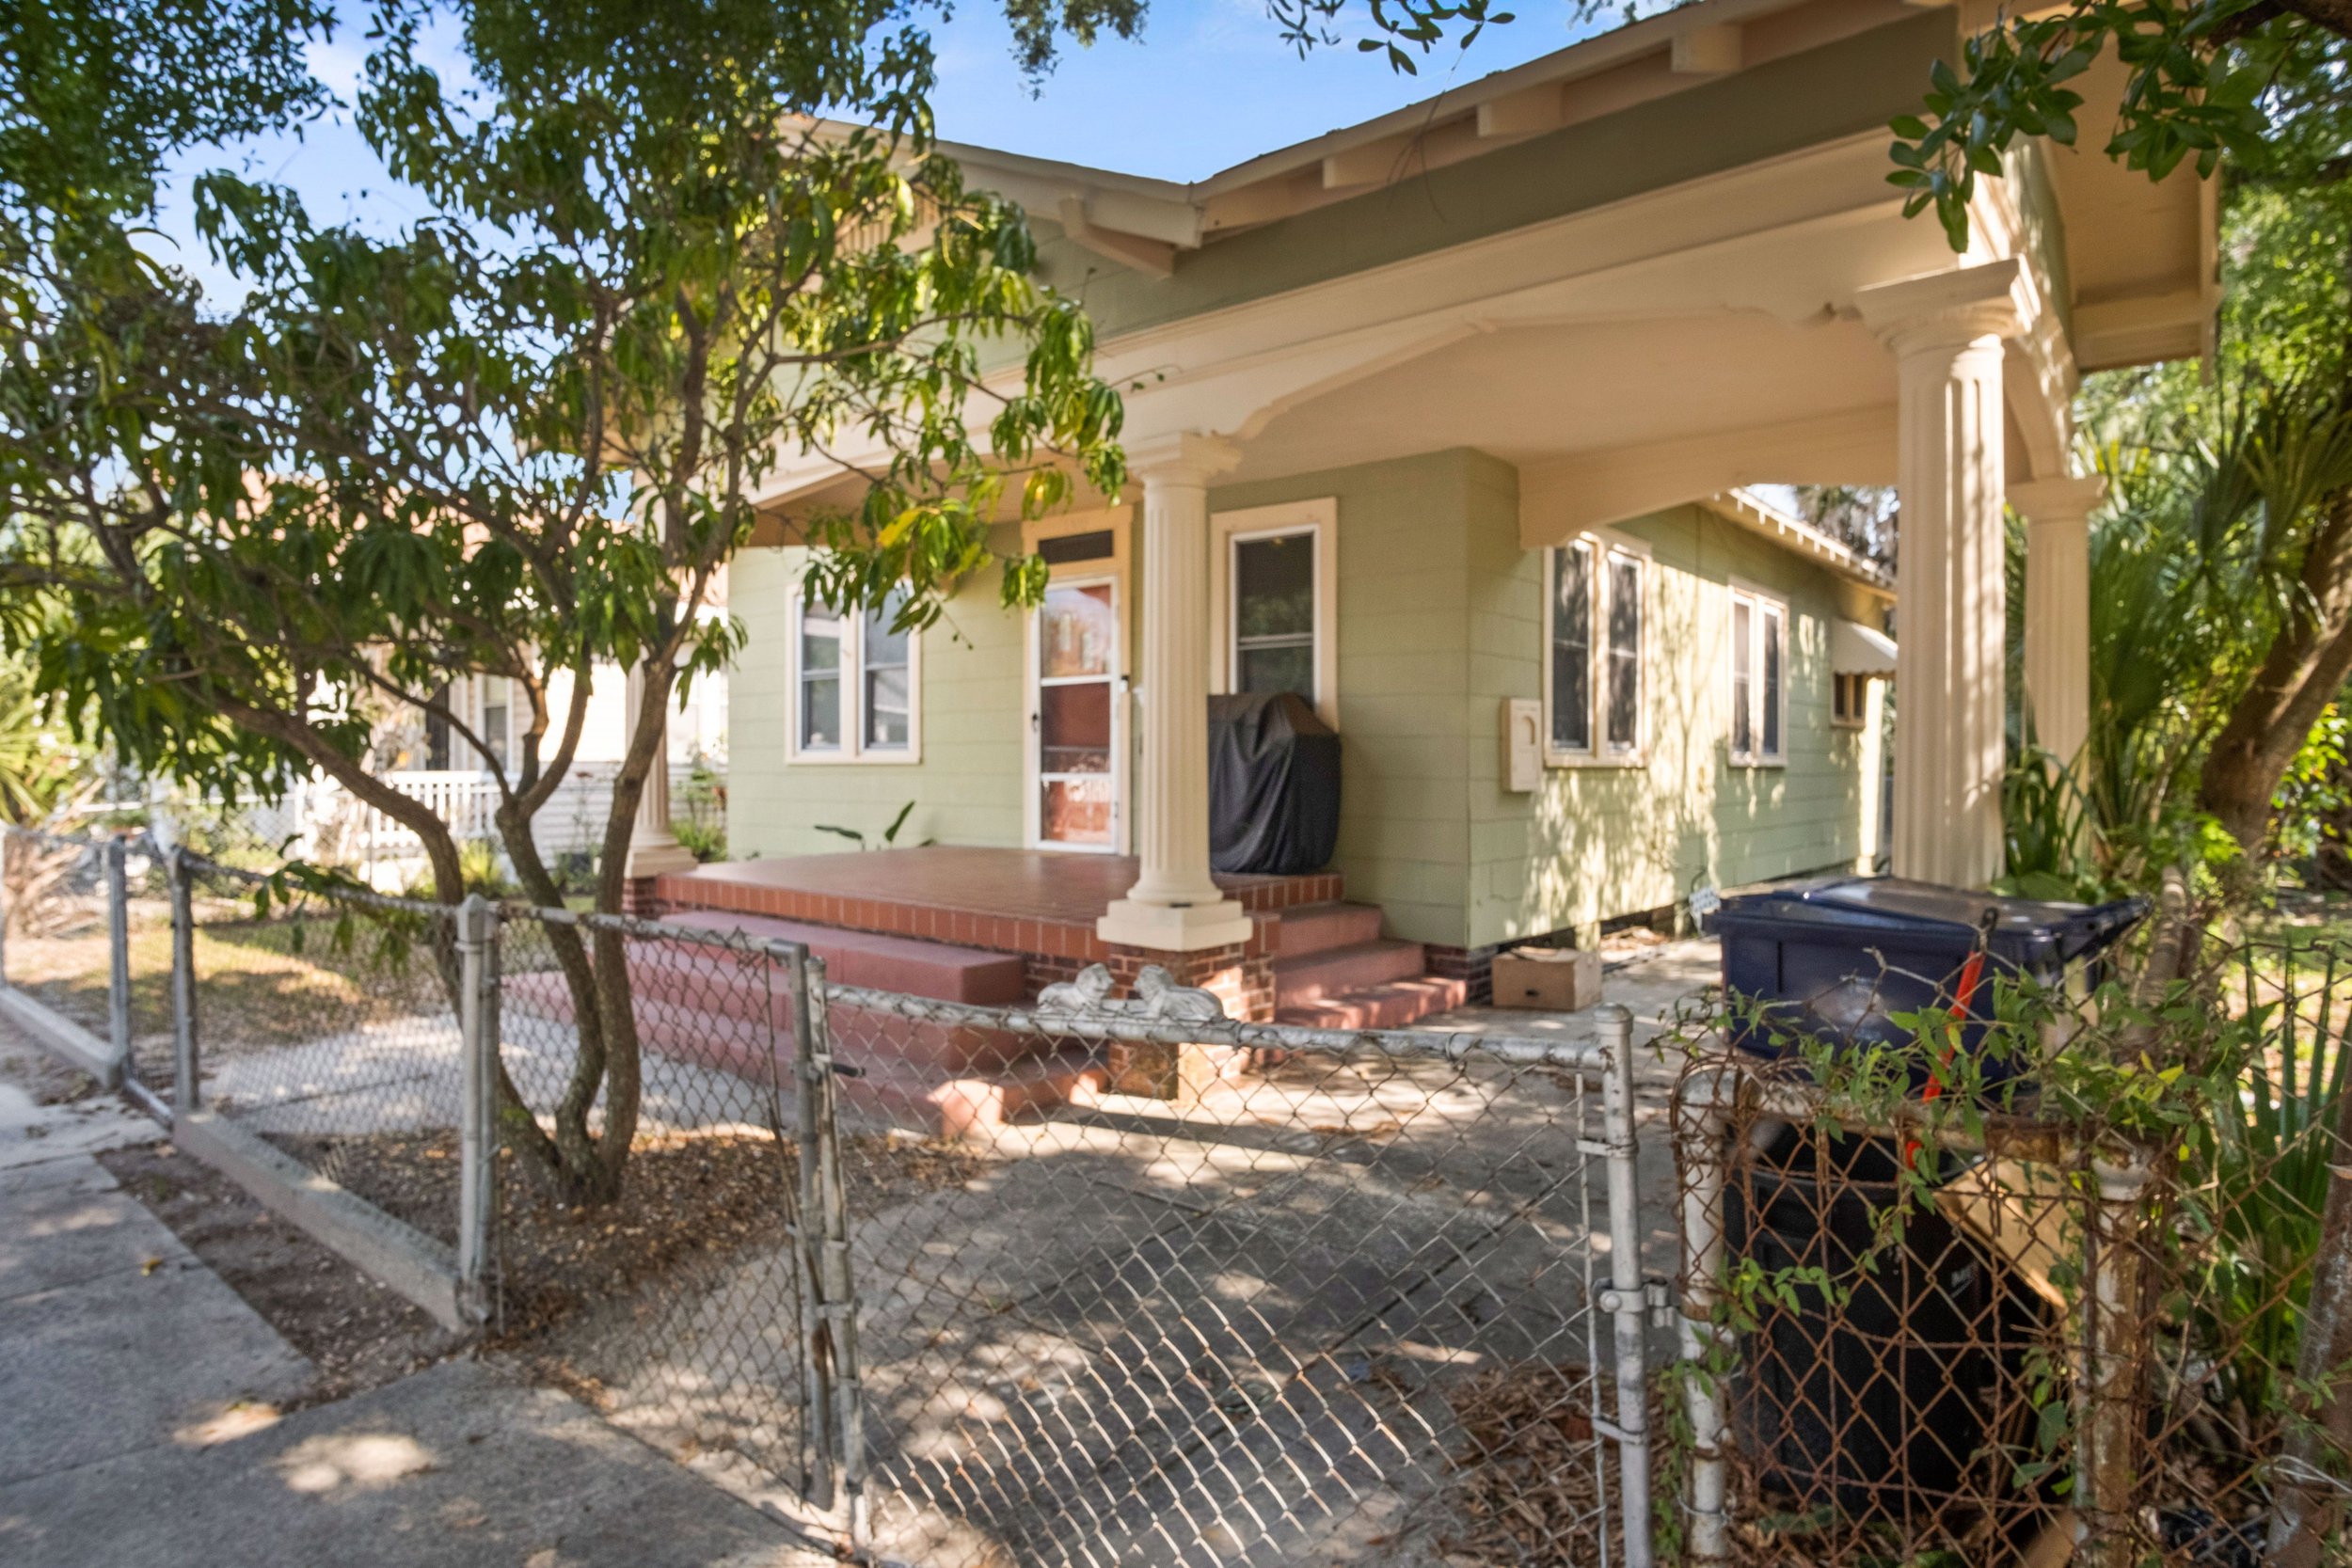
x: 820, y: 679
x: 1772, y: 680
x: 1625, y: 652
x: 1742, y: 677
x: 436, y: 730
x: 1572, y: 648
x: 495, y: 701
x: 884, y: 658
x: 1274, y: 614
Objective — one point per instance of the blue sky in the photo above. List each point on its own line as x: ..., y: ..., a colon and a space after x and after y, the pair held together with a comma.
x: 1209, y: 85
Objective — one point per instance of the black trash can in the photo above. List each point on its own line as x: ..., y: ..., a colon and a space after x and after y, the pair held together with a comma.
x: 1836, y: 960
x: 1876, y: 1406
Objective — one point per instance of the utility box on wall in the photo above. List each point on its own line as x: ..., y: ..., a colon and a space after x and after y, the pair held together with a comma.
x: 1522, y: 744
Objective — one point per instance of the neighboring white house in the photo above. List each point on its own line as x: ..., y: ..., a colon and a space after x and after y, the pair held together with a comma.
x: 434, y: 761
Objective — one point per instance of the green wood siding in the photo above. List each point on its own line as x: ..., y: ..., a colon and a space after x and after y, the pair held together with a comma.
x: 1406, y: 592
x: 1440, y: 622
x: 967, y: 786
x: 1592, y: 843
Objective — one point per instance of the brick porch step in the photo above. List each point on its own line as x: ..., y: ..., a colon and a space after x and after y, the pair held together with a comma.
x: 1332, y: 971
x: 1396, y: 1004
x: 1319, y: 927
x: 881, y: 962
x: 944, y: 1080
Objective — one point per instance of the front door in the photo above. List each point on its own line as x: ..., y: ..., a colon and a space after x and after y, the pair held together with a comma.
x: 1076, y: 729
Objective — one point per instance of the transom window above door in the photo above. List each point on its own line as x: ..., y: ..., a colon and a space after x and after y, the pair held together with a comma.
x: 1273, y: 580
x: 853, y: 685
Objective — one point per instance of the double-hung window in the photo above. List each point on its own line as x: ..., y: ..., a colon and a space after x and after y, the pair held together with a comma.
x: 1759, y: 679
x: 1596, y: 618
x: 1274, y: 613
x: 1273, y: 592
x: 853, y: 685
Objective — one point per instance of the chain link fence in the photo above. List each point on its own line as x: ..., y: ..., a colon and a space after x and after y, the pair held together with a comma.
x: 1248, y: 1295
x: 1097, y: 1281
x: 86, y: 933
x: 2060, y: 1320
x: 328, y: 1023
x: 674, y: 1305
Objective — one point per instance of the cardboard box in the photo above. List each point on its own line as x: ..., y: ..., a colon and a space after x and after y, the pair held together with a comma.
x: 1554, y: 979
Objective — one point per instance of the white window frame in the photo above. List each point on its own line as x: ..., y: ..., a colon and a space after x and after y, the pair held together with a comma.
x: 1606, y: 549
x: 1857, y: 691
x: 1319, y: 518
x: 504, y: 741
x: 1763, y: 606
x: 854, y: 748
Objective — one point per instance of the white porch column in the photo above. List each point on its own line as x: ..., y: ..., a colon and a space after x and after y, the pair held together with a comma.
x: 1175, y: 906
x: 2058, y: 607
x: 653, y: 850
x: 1946, y: 331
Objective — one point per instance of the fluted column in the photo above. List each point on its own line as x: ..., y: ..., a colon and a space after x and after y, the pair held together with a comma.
x: 2058, y: 607
x: 1947, y: 333
x: 1174, y: 905
x: 653, y: 850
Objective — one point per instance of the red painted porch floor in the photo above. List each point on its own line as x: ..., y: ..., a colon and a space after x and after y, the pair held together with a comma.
x: 1007, y: 900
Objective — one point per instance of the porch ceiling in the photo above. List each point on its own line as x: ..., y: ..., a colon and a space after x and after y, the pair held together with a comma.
x: 1536, y: 395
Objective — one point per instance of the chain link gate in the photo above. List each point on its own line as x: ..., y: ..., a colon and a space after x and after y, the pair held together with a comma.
x: 1309, y: 1296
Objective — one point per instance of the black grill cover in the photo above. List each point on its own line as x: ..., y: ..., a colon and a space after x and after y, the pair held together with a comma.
x: 1273, y: 784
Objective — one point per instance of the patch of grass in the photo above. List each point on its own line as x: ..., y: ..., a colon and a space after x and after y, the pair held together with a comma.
x: 260, y: 984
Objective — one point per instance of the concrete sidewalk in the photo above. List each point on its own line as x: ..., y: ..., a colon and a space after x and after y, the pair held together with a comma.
x: 138, y: 1425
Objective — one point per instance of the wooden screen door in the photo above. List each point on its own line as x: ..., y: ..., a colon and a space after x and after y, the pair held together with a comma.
x: 1076, y: 729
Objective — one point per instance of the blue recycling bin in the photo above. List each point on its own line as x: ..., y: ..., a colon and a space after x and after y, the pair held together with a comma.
x: 1838, y: 959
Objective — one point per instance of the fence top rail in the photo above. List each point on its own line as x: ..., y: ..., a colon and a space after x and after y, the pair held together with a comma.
x: 1720, y: 1084
x: 516, y: 910
x: 141, y: 837
x: 637, y: 925
x: 1588, y: 1060
x: 333, y: 891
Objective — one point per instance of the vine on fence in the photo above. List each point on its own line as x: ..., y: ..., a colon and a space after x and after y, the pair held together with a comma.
x: 2034, y: 1275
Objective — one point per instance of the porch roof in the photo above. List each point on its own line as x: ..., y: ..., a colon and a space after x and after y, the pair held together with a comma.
x: 1635, y: 270
x: 1761, y: 517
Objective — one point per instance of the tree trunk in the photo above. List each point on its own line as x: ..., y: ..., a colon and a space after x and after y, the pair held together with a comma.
x: 2306, y: 666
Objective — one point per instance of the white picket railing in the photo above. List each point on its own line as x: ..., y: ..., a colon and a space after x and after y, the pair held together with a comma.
x: 318, y: 820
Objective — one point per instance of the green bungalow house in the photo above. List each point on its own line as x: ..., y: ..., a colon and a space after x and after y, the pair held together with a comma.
x: 1445, y: 421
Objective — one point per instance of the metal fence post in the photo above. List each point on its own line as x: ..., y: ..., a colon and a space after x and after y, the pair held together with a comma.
x: 1702, y: 1107
x: 186, y: 1091
x: 817, y: 1447
x: 118, y: 950
x: 2107, y: 1409
x: 825, y: 1210
x: 1627, y: 1300
x: 477, y: 1132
